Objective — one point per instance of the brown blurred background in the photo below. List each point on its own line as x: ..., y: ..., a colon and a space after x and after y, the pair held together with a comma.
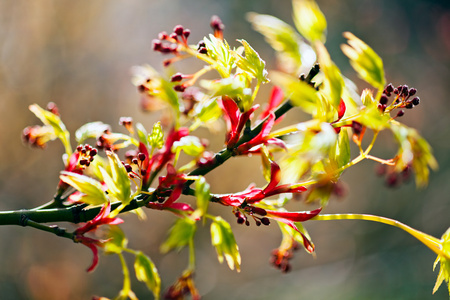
x: 79, y: 53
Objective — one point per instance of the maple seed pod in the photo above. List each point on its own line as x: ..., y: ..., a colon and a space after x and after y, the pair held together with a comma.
x: 415, y: 101
x: 178, y: 30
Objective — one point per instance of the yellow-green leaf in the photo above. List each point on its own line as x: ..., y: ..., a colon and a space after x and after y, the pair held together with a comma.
x: 180, y: 234
x: 309, y: 20
x: 203, y: 194
x: 146, y: 272
x: 220, y: 51
x: 251, y: 63
x: 364, y: 60
x: 90, y: 130
x: 116, y: 240
x: 92, y: 189
x: 119, y: 185
x: 223, y: 239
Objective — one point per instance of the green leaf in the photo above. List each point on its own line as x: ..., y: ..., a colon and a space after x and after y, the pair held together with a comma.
x: 49, y: 118
x: 340, y: 153
x: 146, y: 272
x: 236, y: 87
x: 290, y: 233
x: 444, y: 263
x: 371, y: 117
x: 206, y: 111
x: 191, y: 145
x: 364, y: 60
x: 300, y: 93
x: 179, y: 236
x: 156, y: 138
x: 142, y: 134
x: 333, y: 83
x: 92, y: 189
x: 220, y: 52
x: 415, y: 152
x: 283, y: 38
x: 90, y: 130
x: 251, y: 63
x: 119, y: 185
x: 309, y: 20
x: 223, y: 239
x: 203, y: 194
x: 266, y: 159
x: 116, y: 240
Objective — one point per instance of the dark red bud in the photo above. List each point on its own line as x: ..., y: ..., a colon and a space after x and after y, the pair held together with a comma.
x: 177, y: 77
x: 412, y: 91
x: 265, y: 221
x: 156, y: 45
x: 409, y: 105
x: 389, y: 88
x: 415, y: 101
x: 259, y: 211
x: 141, y: 156
x: 186, y: 33
x: 179, y: 88
x: 400, y: 113
x: 134, y: 161
x: 384, y: 99
x: 163, y: 35
x: 178, y: 30
x: 203, y: 50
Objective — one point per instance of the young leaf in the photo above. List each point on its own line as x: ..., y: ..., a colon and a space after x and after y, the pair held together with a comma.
x: 364, y: 60
x: 203, y: 194
x: 300, y: 93
x: 414, y: 152
x: 191, y: 145
x: 142, y: 134
x: 180, y: 234
x: 444, y: 263
x: 333, y: 83
x: 146, y: 272
x: 207, y: 111
x: 156, y: 138
x: 219, y: 50
x: 252, y: 63
x: 116, y: 240
x: 309, y: 20
x: 119, y: 184
x: 92, y: 189
x: 282, y: 37
x: 223, y: 239
x: 90, y: 130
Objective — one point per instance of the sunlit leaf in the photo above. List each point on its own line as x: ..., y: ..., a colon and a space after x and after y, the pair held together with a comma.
x: 223, y: 239
x: 116, y: 240
x: 364, y: 60
x: 142, y: 134
x: 92, y: 189
x: 90, y: 130
x: 191, y: 145
x: 220, y: 51
x: 146, y: 272
x: 119, y: 185
x: 203, y: 194
x: 444, y: 263
x: 181, y: 233
x: 251, y: 63
x: 300, y: 93
x: 415, y: 152
x: 156, y: 138
x: 333, y: 83
x: 309, y: 20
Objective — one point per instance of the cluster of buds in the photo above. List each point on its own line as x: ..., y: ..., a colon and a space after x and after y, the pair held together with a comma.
x: 135, y: 159
x: 86, y: 154
x: 38, y: 136
x: 394, y: 178
x: 402, y: 99
x: 172, y: 40
x: 280, y: 257
x: 241, y: 215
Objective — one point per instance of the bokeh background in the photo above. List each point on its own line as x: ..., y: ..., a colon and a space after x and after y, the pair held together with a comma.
x: 79, y: 54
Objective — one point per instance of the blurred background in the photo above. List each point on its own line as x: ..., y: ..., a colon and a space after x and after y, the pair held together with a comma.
x: 79, y: 54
